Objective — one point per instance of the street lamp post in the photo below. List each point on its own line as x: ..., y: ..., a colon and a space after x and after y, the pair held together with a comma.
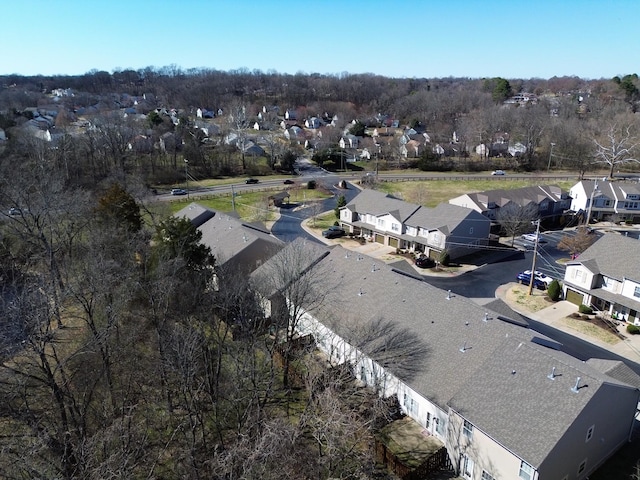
x: 550, y: 155
x: 595, y: 189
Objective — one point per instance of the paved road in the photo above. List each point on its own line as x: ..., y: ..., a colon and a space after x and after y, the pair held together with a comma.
x: 288, y: 227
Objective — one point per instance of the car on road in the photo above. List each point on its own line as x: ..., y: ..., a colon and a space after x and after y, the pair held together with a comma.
x: 178, y: 191
x: 333, y: 232
x: 425, y: 262
x: 498, y: 172
x: 533, y: 237
x: 14, y: 211
x: 251, y: 180
x: 525, y: 279
x: 540, y: 276
x: 288, y: 181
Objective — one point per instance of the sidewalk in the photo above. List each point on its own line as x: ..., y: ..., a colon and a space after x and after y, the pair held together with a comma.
x: 388, y: 254
x: 554, y: 314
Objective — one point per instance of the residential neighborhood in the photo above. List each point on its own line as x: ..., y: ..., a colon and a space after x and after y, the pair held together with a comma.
x: 255, y: 275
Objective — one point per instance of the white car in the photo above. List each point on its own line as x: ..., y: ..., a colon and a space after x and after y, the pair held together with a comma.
x: 498, y: 172
x: 532, y: 237
x: 540, y: 276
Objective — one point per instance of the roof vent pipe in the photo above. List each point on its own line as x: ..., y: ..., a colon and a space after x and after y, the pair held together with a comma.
x: 575, y: 388
x: 552, y: 375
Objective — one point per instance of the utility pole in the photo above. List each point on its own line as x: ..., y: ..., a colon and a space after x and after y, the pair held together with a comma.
x: 550, y: 156
x: 186, y: 175
x: 595, y: 189
x: 535, y: 257
x: 233, y: 199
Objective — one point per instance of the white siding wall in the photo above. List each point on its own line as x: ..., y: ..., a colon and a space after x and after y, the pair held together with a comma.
x: 628, y: 289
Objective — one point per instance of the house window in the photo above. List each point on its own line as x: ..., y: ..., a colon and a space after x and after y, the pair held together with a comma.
x: 363, y: 373
x: 395, y: 227
x: 381, y: 222
x: 467, y: 467
x: 428, y: 424
x: 439, y: 425
x: 589, y: 433
x: 578, y: 275
x: 526, y: 471
x: 582, y: 466
x: 467, y: 429
x: 636, y: 292
x: 487, y: 476
x: 470, y: 230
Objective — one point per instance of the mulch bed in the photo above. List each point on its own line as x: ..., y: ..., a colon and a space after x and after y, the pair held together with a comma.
x: 600, y: 322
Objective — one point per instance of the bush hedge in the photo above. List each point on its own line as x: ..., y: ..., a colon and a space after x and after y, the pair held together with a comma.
x: 554, y: 290
x: 585, y: 309
x: 632, y: 329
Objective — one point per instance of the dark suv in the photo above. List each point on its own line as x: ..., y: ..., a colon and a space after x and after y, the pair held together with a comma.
x: 425, y: 262
x: 525, y: 278
x: 333, y: 232
x: 251, y: 180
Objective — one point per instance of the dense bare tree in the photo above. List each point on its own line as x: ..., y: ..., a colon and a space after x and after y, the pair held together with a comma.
x: 515, y: 219
x: 578, y: 243
x: 617, y: 146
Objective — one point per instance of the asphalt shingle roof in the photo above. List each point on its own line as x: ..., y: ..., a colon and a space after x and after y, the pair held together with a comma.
x: 613, y: 255
x: 378, y: 203
x: 467, y: 362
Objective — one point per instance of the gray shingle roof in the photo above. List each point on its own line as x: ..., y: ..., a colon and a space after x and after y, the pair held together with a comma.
x: 196, y: 213
x: 378, y: 203
x: 444, y: 217
x: 478, y: 381
x: 511, y: 390
x: 521, y: 196
x: 226, y: 235
x: 613, y: 255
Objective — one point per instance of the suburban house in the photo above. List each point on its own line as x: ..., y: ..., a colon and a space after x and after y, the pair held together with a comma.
x: 457, y: 230
x: 502, y: 399
x: 609, y: 201
x: 606, y: 276
x: 238, y: 246
x: 394, y: 222
x: 551, y: 201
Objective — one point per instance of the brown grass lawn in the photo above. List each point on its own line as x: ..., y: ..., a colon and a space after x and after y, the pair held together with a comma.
x: 431, y: 193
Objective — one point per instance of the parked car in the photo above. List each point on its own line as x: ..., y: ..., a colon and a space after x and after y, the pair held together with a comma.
x: 251, y: 180
x: 498, y: 172
x: 525, y: 279
x: 333, y: 232
x: 425, y: 262
x: 178, y: 191
x: 288, y: 181
x: 14, y: 211
x: 540, y: 276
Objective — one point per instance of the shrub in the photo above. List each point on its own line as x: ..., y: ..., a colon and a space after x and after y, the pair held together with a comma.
x: 444, y: 258
x: 586, y: 317
x: 554, y: 290
x: 585, y: 309
x: 632, y: 329
x: 575, y: 315
x: 311, y: 185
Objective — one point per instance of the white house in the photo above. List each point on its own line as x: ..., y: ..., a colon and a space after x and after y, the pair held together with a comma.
x: 394, y: 222
x: 503, y: 401
x: 606, y: 277
x: 608, y: 200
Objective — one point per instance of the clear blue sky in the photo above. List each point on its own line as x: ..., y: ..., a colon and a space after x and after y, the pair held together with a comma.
x: 408, y: 38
